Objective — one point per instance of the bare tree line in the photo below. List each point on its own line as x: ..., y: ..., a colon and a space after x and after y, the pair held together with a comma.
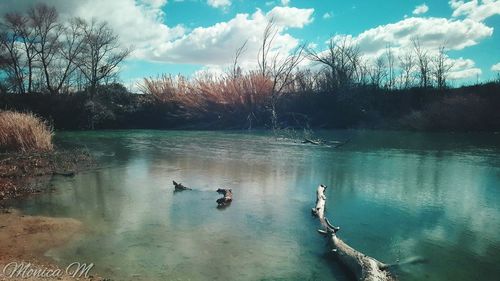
x: 342, y: 67
x: 345, y: 66
x: 41, y: 53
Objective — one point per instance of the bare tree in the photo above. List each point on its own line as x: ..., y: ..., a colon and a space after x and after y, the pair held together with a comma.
x: 278, y: 68
x: 47, y: 32
x: 21, y: 25
x: 236, y: 69
x: 378, y: 72
x: 391, y: 76
x: 10, y: 35
x: 442, y: 67
x: 71, y: 45
x: 101, y: 53
x: 343, y: 61
x: 423, y: 63
x: 407, y: 66
x: 268, y: 37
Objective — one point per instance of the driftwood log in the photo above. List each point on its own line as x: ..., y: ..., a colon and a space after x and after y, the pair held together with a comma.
x: 363, y: 267
x: 64, y: 174
x: 179, y: 187
x: 227, y: 197
x: 311, y: 141
x: 334, y: 144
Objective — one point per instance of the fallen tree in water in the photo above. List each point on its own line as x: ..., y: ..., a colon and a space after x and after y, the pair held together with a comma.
x: 363, y: 267
x: 180, y: 187
x: 226, y: 199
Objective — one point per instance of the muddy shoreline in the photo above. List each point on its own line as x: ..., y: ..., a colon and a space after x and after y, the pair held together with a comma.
x: 25, y: 239
x: 22, y: 174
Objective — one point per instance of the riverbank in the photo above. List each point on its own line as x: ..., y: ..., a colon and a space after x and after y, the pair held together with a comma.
x: 25, y: 240
x: 27, y: 173
x: 465, y: 109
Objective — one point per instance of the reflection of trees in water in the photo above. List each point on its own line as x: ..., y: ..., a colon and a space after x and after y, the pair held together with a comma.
x: 443, y: 203
x: 432, y: 201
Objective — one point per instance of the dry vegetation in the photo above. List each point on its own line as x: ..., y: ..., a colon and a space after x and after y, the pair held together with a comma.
x: 24, y: 132
x: 336, y: 87
x: 28, y: 159
x: 241, y: 96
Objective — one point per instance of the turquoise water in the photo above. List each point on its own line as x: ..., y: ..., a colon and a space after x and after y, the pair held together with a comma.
x: 396, y: 196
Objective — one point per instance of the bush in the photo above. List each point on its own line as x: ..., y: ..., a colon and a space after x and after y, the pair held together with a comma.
x: 24, y: 132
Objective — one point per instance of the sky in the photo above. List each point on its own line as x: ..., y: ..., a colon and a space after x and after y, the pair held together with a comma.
x: 190, y: 36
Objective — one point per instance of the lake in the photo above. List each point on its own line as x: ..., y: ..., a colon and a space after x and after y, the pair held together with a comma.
x: 431, y: 198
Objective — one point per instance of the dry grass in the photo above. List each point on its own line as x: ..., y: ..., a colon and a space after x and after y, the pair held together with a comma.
x: 242, y: 93
x: 24, y: 132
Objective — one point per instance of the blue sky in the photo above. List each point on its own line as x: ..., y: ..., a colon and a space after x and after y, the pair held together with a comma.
x: 330, y: 18
x: 187, y: 36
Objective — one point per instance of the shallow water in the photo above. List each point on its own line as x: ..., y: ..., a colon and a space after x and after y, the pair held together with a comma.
x: 397, y: 197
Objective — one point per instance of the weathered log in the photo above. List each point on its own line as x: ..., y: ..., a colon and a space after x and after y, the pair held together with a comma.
x: 334, y: 144
x: 363, y: 267
x: 311, y: 141
x: 180, y: 187
x: 227, y: 197
x: 64, y: 174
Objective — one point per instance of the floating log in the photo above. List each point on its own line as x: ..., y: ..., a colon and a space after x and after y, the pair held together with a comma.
x: 226, y: 199
x: 334, y: 144
x: 64, y: 174
x: 311, y: 141
x: 180, y: 187
x: 363, y: 267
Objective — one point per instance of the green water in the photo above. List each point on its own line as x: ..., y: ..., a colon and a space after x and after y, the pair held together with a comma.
x: 396, y: 196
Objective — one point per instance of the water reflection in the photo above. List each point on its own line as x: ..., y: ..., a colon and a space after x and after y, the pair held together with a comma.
x: 396, y: 196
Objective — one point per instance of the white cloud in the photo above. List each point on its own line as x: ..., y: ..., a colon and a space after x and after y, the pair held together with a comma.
x: 141, y: 23
x: 213, y: 71
x: 477, y: 10
x: 327, y: 15
x: 431, y: 33
x: 285, y: 2
x: 463, y: 69
x: 219, y: 3
x: 291, y: 17
x: 155, y: 3
x: 312, y: 45
x: 215, y: 45
x: 138, y: 23
x: 421, y: 9
x: 496, y: 67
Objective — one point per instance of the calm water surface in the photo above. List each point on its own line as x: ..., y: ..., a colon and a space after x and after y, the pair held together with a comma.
x: 397, y: 196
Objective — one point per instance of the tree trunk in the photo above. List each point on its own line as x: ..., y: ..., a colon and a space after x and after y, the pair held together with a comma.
x: 30, y: 75
x: 363, y: 267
